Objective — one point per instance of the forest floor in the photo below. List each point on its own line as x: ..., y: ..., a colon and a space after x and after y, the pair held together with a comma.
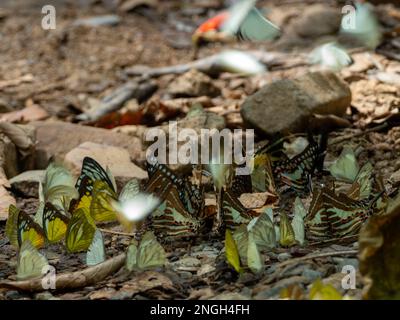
x: 62, y: 70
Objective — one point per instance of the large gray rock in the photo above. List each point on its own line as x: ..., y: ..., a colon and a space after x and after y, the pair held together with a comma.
x: 286, y: 105
x: 56, y: 139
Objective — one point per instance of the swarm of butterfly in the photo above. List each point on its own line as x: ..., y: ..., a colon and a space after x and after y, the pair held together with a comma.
x: 170, y: 207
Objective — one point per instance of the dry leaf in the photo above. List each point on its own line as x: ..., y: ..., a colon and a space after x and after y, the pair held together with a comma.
x: 380, y: 254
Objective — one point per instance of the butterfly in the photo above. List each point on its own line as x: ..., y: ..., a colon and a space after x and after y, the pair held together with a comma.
x: 101, y: 208
x: 161, y: 178
x: 30, y: 262
x: 96, y: 252
x: 262, y: 177
x: 296, y: 172
x: 259, y: 234
x: 145, y: 254
x: 92, y: 171
x: 335, y: 216
x: 242, y: 20
x: 171, y: 219
x: 331, y: 56
x: 80, y: 231
x: 233, y: 212
x: 287, y: 236
x: 54, y: 223
x: 58, y: 186
x: 298, y: 221
x: 232, y: 252
x: 20, y: 227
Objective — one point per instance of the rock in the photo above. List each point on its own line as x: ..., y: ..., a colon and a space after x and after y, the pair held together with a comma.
x: 284, y: 256
x: 56, y: 139
x: 317, y: 20
x: 204, y: 269
x: 193, y: 84
x: 311, y: 275
x: 188, y: 264
x: 27, y: 182
x: 115, y: 158
x: 287, y: 105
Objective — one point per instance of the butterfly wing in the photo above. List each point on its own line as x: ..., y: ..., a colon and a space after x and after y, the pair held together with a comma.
x: 30, y: 262
x: 96, y: 253
x: 298, y: 221
x: 94, y: 171
x: 29, y: 230
x: 130, y: 190
x: 253, y: 255
x: 151, y: 254
x: 12, y: 225
x: 237, y: 15
x: 263, y: 231
x: 287, y: 236
x: 80, y: 231
x: 296, y: 172
x: 171, y: 219
x: 234, y: 214
x: 231, y: 252
x: 101, y: 208
x: 255, y: 27
x: 54, y: 223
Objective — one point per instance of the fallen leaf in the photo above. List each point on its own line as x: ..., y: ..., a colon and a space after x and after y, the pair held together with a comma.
x: 380, y: 254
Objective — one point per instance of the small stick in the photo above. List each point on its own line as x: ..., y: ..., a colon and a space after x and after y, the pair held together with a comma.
x: 287, y: 263
x: 118, y: 233
x: 317, y: 255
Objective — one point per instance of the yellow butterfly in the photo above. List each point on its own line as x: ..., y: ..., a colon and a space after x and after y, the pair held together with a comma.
x: 20, y: 227
x: 231, y: 251
x: 287, y: 235
x: 30, y: 262
x: 54, y: 223
x: 146, y: 254
x: 101, y: 208
x: 80, y: 231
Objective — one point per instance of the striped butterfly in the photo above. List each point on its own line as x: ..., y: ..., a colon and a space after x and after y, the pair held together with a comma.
x: 335, y: 216
x: 160, y: 180
x: 20, y: 227
x: 296, y: 172
x: 172, y: 220
x: 234, y: 213
x: 54, y: 223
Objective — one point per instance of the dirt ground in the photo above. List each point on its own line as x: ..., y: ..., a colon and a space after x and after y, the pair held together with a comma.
x: 68, y: 65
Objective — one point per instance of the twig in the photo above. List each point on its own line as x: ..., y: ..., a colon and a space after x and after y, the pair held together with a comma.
x: 119, y: 233
x: 358, y: 134
x: 317, y: 255
x: 71, y: 280
x: 287, y: 263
